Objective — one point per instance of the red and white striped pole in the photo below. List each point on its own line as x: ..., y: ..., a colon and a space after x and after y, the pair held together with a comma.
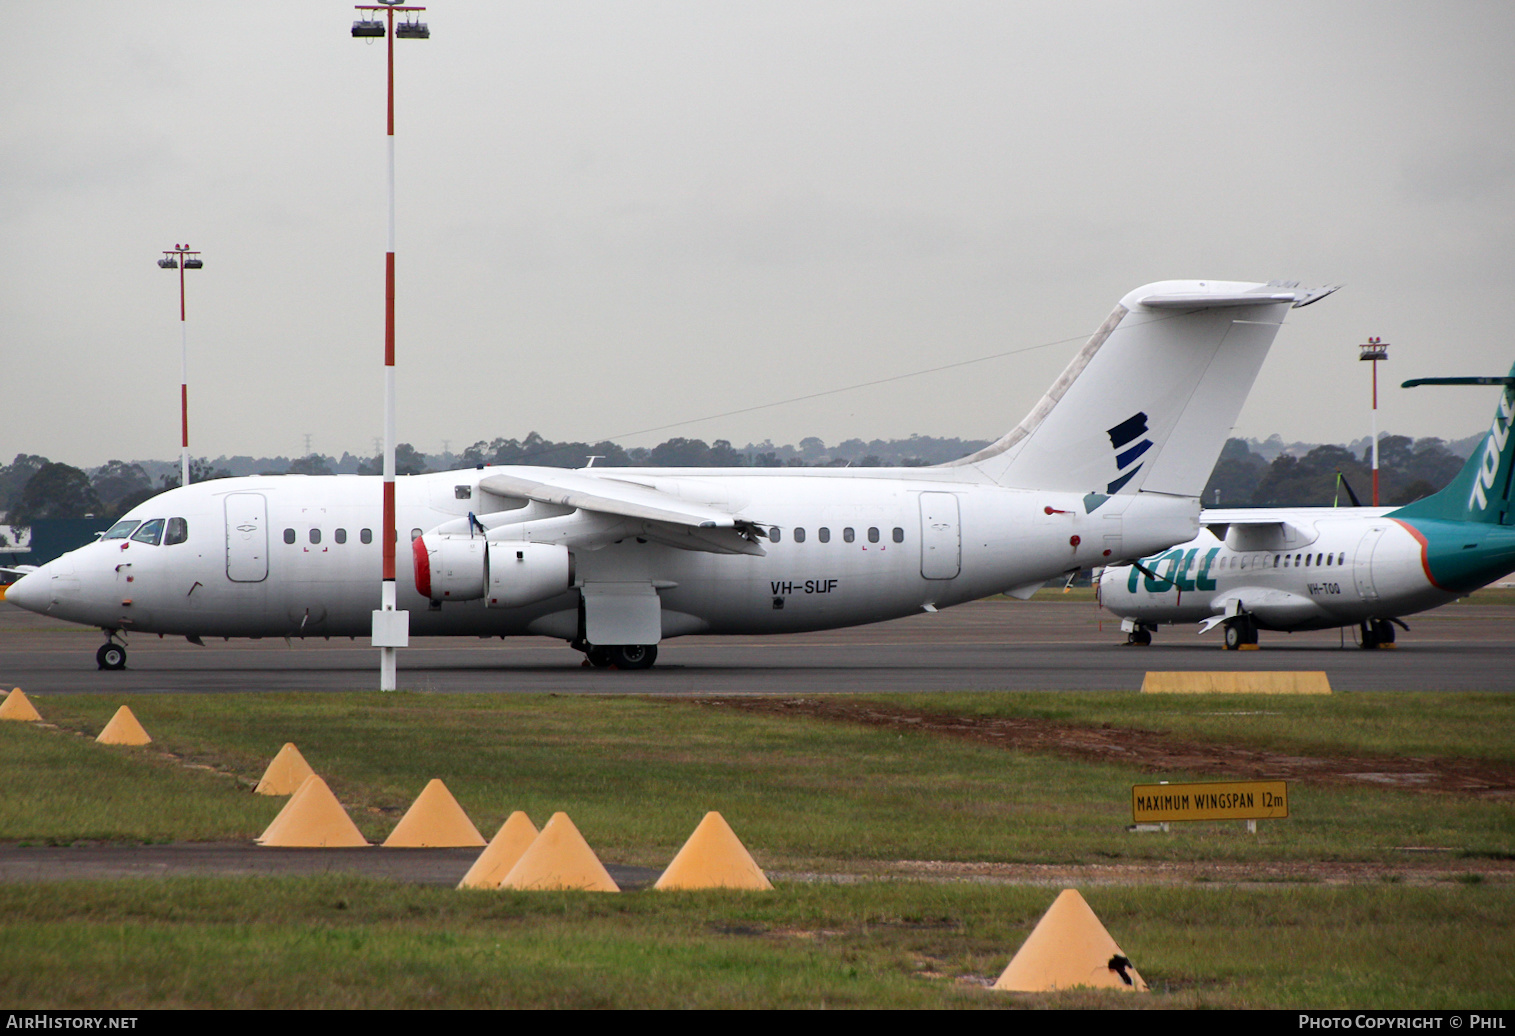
x: 391, y: 628
x: 1373, y: 350
x: 180, y: 256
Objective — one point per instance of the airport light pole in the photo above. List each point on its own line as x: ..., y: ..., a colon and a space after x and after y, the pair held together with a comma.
x: 182, y: 258
x: 391, y: 628
x: 1374, y: 349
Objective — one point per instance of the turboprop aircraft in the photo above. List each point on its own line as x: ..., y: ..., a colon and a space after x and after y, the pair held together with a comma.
x: 1108, y: 465
x: 1310, y: 568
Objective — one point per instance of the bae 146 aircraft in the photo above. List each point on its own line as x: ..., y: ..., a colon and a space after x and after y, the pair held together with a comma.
x: 1107, y: 466
x: 1311, y: 568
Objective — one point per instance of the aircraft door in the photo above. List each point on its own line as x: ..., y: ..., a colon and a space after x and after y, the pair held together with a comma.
x: 1362, y: 564
x: 941, y: 536
x: 246, y: 537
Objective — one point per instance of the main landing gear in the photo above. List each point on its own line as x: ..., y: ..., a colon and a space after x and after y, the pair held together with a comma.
x: 1378, y: 633
x: 1241, y: 634
x: 112, y: 655
x: 621, y: 656
x: 1139, y: 637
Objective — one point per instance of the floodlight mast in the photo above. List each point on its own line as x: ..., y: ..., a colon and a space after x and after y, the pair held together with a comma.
x: 1374, y: 350
x: 391, y: 628
x: 182, y: 258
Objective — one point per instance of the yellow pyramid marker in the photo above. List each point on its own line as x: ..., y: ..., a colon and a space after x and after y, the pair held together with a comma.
x: 508, y: 845
x: 434, y: 821
x: 559, y: 858
x: 312, y: 819
x: 1067, y: 948
x: 285, y: 774
x: 18, y: 706
x: 123, y: 729
x: 714, y: 858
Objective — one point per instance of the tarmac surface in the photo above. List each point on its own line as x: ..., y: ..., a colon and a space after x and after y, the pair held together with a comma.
x: 996, y: 644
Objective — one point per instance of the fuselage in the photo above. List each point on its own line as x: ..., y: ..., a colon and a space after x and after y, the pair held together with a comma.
x: 1336, y: 567
x: 300, y: 555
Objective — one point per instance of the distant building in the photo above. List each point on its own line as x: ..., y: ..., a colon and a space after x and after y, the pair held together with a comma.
x: 43, y: 541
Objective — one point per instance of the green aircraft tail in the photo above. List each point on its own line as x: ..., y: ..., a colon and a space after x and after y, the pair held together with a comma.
x: 1481, y: 490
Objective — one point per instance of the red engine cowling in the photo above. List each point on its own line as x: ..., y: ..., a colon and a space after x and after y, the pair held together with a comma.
x: 450, y: 568
x: 507, y: 575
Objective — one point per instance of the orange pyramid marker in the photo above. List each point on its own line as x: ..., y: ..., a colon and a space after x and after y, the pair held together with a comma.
x: 285, y: 774
x: 1067, y: 948
x: 714, y: 858
x: 560, y: 859
x: 18, y: 706
x: 434, y: 821
x: 508, y: 846
x: 312, y: 819
x: 123, y: 729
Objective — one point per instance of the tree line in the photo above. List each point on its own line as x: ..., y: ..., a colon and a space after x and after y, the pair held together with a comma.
x: 33, y: 488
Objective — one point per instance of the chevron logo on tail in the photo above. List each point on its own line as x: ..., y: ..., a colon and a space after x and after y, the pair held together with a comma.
x: 1128, y: 451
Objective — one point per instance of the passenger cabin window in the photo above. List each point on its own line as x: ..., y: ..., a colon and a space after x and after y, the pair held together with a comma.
x: 151, y: 532
x: 366, y: 535
x: 121, y: 530
x: 340, y: 535
x: 774, y: 534
x: 873, y: 535
x: 899, y: 535
x: 178, y: 532
x: 315, y: 535
x: 799, y: 534
x: 824, y: 533
x: 848, y: 535
x: 289, y: 535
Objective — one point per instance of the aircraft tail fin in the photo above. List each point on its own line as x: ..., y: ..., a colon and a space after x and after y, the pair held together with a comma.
x: 1481, y: 491
x: 1147, y: 403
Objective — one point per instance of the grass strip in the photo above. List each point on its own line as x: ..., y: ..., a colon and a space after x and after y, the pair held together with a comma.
x: 347, y: 942
x: 637, y: 775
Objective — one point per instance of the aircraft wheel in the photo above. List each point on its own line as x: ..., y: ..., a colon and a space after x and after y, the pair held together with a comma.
x: 1384, y: 631
x: 633, y: 656
x: 111, y: 656
x: 598, y: 657
x: 1240, y: 632
x: 1369, y: 635
x: 1140, y: 638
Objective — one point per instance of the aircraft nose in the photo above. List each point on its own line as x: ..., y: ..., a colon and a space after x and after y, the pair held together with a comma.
x: 29, y: 592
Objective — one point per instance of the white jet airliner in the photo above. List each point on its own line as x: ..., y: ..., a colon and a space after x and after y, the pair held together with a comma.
x: 1108, y: 465
x: 1311, y: 568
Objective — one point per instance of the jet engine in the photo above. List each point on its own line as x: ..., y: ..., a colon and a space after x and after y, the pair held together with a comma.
x: 506, y: 574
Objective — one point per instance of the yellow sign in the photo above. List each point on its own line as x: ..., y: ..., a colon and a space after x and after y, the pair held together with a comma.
x: 1227, y: 800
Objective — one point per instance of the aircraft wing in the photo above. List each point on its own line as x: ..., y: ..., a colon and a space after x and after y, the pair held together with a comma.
x: 677, y: 522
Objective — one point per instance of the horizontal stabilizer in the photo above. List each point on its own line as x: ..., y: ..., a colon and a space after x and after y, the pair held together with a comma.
x: 1191, y: 300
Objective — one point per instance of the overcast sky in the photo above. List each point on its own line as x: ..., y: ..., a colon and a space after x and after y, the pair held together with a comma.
x: 617, y: 216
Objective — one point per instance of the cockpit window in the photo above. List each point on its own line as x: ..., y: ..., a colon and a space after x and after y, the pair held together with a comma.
x: 151, y: 532
x: 178, y: 532
x: 121, y: 530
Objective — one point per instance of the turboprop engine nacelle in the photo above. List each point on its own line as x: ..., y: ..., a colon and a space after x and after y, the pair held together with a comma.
x: 505, y: 574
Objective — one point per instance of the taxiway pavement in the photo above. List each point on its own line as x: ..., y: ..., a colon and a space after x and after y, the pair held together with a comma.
x: 997, y: 644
